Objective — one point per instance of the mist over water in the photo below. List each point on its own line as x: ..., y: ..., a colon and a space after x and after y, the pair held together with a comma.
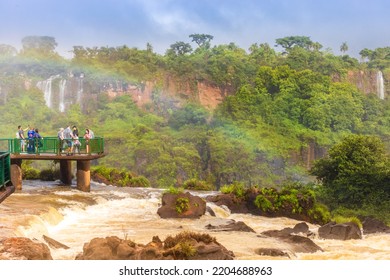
x: 74, y: 218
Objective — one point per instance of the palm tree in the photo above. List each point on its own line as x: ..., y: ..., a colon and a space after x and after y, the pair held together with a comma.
x: 344, y: 47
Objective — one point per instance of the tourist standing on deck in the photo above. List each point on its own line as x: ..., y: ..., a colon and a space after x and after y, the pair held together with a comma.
x: 75, y: 131
x: 31, y: 140
x: 20, y: 135
x: 87, y: 137
x: 68, y: 136
x: 38, y: 139
x: 60, y: 135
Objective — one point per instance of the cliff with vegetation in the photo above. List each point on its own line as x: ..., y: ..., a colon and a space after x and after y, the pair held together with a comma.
x: 220, y: 114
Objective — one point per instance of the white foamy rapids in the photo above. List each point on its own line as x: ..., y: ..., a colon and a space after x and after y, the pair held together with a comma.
x: 74, y: 218
x: 107, y: 218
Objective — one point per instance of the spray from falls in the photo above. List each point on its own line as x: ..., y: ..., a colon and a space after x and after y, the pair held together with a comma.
x: 61, y: 105
x: 380, y: 85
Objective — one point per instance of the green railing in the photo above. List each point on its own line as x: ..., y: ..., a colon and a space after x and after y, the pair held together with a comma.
x: 52, y: 145
x: 5, y: 168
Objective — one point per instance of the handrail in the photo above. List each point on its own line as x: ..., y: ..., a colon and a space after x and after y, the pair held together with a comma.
x: 5, y: 169
x: 52, y: 145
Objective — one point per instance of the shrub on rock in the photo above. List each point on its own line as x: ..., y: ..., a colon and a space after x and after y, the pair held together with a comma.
x: 181, y: 205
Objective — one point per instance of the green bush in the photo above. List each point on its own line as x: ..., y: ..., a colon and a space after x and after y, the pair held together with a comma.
x: 103, y: 171
x: 182, y: 204
x: 173, y: 190
x: 49, y: 175
x: 237, y: 188
x: 289, y: 200
x: 319, y: 213
x: 342, y: 219
x: 139, y: 182
x: 264, y: 204
x: 31, y: 174
x: 198, y: 185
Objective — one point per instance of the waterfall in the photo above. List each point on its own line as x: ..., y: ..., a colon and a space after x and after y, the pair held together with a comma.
x: 46, y: 87
x: 79, y: 89
x: 380, y: 85
x: 62, y: 95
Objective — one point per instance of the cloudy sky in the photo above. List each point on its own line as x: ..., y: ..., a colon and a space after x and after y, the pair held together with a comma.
x: 88, y: 23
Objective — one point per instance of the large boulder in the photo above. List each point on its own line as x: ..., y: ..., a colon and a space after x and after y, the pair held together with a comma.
x: 372, y: 225
x: 231, y: 225
x: 344, y: 231
x: 184, y: 205
x: 185, y: 245
x: 21, y: 248
x: 300, y: 228
x: 234, y: 204
x: 109, y: 248
x: 296, y: 238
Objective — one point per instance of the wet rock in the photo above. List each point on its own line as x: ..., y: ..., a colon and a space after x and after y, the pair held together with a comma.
x: 210, y: 211
x: 190, y: 246
x: 109, y: 248
x: 230, y: 226
x: 301, y: 244
x: 96, y: 177
x: 372, y: 225
x: 344, y: 231
x: 272, y: 252
x: 300, y: 228
x: 54, y: 243
x: 296, y: 238
x: 21, y: 248
x: 183, y: 205
x: 229, y: 200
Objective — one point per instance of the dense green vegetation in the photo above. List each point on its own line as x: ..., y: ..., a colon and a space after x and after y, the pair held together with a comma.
x: 356, y: 175
x: 277, y: 105
x: 293, y: 200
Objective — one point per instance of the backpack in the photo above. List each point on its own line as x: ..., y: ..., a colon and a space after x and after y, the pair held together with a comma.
x: 17, y: 135
x: 91, y: 134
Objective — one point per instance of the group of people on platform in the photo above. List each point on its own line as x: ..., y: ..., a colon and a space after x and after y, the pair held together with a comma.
x: 32, y: 141
x: 68, y: 139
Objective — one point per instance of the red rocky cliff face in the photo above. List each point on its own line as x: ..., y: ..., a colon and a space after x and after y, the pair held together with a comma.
x: 366, y: 81
x: 203, y: 93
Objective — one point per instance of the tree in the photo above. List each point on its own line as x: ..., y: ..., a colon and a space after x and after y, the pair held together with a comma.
x: 356, y: 171
x: 7, y: 51
x: 366, y: 53
x: 289, y: 42
x: 42, y: 44
x: 263, y: 54
x: 149, y: 47
x: 179, y: 48
x: 344, y: 47
x: 202, y: 40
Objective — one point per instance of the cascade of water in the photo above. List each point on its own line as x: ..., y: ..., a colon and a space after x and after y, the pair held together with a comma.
x: 80, y: 89
x: 62, y: 95
x: 380, y: 85
x: 46, y: 87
